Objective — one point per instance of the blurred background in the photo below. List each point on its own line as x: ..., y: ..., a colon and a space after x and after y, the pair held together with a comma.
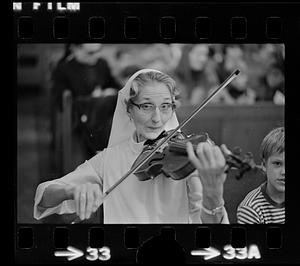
x: 67, y: 95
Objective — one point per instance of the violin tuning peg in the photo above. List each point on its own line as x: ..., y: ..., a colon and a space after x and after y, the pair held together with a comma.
x: 249, y: 155
x: 250, y: 162
x: 237, y: 150
x: 248, y: 158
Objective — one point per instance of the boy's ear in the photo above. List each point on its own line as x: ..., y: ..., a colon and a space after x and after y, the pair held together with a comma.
x: 263, y: 164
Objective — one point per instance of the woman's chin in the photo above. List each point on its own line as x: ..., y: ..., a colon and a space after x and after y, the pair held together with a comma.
x: 153, y: 135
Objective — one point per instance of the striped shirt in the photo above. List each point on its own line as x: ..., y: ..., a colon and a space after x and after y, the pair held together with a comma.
x: 258, y: 208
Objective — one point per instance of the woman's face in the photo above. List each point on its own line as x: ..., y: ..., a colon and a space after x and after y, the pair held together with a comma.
x: 198, y: 57
x: 149, y: 121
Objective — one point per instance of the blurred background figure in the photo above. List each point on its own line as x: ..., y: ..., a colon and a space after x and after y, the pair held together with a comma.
x: 266, y: 71
x: 83, y: 72
x: 163, y: 57
x: 238, y: 91
x: 196, y: 73
x: 159, y: 56
x: 276, y: 82
x: 273, y: 84
x: 87, y: 75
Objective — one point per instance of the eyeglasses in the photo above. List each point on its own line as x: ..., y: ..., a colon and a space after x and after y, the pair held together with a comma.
x: 149, y: 108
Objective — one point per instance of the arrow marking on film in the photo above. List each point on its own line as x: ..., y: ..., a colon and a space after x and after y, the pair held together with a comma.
x: 71, y: 253
x: 208, y: 253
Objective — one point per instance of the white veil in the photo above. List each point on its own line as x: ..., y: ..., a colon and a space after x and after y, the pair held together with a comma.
x: 122, y: 128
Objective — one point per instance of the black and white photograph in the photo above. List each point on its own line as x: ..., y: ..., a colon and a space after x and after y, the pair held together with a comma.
x: 156, y: 133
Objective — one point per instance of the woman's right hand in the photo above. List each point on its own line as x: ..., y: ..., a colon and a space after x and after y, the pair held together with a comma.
x: 87, y: 199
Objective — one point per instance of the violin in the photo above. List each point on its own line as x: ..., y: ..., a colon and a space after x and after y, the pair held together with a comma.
x: 172, y: 160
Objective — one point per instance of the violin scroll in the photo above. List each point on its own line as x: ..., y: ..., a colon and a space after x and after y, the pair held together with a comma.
x: 240, y: 164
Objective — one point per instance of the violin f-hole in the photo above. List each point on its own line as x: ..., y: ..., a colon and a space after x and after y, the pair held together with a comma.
x: 154, y: 169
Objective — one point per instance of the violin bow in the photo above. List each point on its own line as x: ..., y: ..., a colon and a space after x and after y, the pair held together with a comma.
x: 229, y: 79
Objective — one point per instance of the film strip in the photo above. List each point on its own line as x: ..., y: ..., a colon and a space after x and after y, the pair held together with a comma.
x: 168, y: 22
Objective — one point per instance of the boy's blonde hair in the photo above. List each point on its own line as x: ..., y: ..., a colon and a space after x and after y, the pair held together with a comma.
x: 272, y: 143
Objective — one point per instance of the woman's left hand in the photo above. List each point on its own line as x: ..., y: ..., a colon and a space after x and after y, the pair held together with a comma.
x: 210, y: 163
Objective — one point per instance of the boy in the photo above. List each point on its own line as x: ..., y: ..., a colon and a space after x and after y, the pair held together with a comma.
x: 265, y: 204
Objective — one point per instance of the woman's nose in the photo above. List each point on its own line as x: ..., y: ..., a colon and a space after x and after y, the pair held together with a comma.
x: 156, y: 116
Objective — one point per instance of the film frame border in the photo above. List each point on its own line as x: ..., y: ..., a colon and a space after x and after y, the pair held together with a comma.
x: 278, y: 23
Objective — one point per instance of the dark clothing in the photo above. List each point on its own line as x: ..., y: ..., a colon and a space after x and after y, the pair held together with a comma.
x: 81, y: 79
x: 95, y: 130
x: 91, y: 116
